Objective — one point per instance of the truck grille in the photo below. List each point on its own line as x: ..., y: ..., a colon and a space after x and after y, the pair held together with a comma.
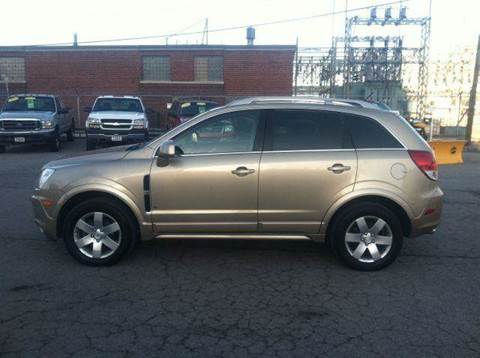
x: 24, y: 125
x: 122, y: 124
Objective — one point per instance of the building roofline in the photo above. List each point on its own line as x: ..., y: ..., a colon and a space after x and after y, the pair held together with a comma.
x: 145, y: 48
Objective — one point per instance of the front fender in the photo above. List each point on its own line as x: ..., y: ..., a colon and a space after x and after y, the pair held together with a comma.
x: 112, y: 188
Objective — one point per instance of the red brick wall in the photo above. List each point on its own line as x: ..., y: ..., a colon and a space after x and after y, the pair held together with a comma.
x: 258, y: 73
x: 82, y: 72
x: 87, y: 73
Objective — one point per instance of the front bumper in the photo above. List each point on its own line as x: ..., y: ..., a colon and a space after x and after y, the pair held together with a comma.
x: 38, y: 136
x: 102, y: 137
x: 44, y: 221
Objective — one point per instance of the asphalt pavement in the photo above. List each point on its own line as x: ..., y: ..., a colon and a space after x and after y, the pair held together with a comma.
x: 199, y: 298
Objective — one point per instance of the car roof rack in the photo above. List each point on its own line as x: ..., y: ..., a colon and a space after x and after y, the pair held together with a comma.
x: 291, y: 99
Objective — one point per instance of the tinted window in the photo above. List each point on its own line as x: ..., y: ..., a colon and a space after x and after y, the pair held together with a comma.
x: 368, y: 133
x: 117, y: 104
x: 191, y: 109
x: 226, y: 133
x: 303, y: 130
x: 30, y: 103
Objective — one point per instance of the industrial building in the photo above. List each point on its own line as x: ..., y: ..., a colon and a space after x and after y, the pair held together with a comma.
x: 78, y: 74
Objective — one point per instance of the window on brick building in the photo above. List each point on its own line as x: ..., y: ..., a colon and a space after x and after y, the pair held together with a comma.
x: 12, y: 69
x: 209, y: 68
x: 156, y: 68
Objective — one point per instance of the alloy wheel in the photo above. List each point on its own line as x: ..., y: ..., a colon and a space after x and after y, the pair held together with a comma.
x: 97, y: 235
x: 368, y: 239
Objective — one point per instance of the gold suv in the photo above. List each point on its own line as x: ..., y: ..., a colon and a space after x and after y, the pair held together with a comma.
x: 258, y: 168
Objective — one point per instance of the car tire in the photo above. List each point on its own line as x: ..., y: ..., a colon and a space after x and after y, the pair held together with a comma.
x: 3, y: 148
x: 99, y: 232
x: 54, y: 143
x: 366, y: 236
x: 90, y: 145
x: 70, y: 133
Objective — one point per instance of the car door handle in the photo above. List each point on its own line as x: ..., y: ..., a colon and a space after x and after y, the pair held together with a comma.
x: 338, y: 168
x: 243, y: 171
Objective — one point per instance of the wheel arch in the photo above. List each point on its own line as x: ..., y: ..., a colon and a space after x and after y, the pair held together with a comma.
x: 94, y: 194
x: 399, y: 210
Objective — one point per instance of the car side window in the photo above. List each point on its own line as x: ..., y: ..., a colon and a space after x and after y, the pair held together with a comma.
x: 368, y: 133
x: 225, y: 133
x: 305, y: 130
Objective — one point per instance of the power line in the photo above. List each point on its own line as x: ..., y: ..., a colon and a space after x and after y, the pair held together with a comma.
x: 232, y: 28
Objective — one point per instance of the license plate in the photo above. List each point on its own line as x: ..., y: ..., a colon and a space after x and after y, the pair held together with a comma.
x: 19, y: 139
x: 116, y: 138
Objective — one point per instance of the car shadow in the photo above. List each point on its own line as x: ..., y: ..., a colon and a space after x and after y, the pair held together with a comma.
x: 44, y: 148
x: 238, y: 245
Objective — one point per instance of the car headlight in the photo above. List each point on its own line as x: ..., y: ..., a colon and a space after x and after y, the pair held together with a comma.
x: 48, y: 124
x: 138, y: 123
x: 93, y: 123
x: 44, y: 176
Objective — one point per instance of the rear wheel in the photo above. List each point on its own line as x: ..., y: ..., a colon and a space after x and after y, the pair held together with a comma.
x: 367, y: 236
x: 54, y: 143
x: 90, y: 145
x: 99, y: 231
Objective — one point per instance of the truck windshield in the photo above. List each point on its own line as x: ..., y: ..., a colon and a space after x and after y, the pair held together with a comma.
x: 117, y: 104
x: 29, y: 103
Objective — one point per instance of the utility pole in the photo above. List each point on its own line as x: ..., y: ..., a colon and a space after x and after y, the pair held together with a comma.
x: 473, y: 96
x: 205, y: 33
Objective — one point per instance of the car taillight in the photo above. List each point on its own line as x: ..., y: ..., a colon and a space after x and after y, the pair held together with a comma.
x: 425, y: 161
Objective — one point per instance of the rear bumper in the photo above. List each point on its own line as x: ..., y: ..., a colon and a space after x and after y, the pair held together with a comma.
x: 428, y: 221
x: 40, y: 136
x: 45, y: 223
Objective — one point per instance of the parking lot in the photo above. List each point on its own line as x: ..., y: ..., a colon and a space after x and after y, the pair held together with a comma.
x: 240, y: 298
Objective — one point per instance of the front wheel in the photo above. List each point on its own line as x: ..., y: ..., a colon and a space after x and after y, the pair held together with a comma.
x: 367, y: 236
x: 70, y: 133
x: 99, y: 231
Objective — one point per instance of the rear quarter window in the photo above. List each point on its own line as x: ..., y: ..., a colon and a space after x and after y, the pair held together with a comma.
x: 305, y: 130
x: 368, y: 133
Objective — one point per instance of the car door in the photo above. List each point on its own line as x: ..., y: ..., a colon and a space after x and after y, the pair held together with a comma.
x: 212, y: 184
x: 308, y: 162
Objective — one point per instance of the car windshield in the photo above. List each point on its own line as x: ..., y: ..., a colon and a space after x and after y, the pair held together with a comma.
x: 117, y: 104
x: 191, y: 109
x: 29, y: 103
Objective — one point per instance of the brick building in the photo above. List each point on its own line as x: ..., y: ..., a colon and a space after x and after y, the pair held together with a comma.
x: 156, y: 73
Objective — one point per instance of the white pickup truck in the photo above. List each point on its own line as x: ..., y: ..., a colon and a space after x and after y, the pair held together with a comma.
x: 116, y: 120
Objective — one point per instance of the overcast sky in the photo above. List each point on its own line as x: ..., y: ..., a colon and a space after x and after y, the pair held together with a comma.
x: 454, y: 23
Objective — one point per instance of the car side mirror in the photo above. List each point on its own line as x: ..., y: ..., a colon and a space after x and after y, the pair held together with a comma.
x: 165, y: 153
x: 62, y: 111
x: 150, y: 111
x: 87, y: 109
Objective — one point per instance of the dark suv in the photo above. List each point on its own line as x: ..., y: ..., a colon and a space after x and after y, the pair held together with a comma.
x: 182, y: 110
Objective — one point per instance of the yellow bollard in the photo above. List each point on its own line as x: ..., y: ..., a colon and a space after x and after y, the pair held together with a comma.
x: 448, y: 151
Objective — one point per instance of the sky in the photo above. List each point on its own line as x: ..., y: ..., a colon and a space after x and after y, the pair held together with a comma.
x: 31, y: 22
